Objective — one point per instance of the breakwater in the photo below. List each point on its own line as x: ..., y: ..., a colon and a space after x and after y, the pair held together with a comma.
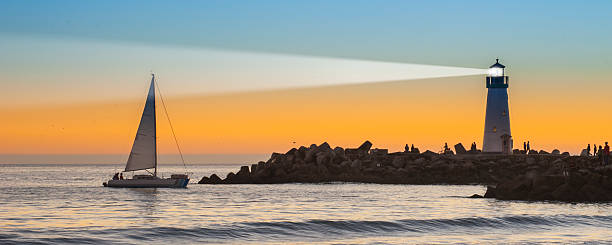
x: 534, y: 170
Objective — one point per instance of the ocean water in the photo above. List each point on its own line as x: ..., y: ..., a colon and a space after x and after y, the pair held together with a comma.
x: 66, y: 204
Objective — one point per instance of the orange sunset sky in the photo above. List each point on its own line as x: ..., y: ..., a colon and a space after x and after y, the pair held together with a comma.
x: 425, y: 112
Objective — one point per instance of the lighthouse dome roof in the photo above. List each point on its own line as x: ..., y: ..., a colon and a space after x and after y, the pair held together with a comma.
x: 497, y: 64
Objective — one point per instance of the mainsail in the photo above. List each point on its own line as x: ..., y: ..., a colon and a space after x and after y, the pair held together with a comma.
x: 144, y: 150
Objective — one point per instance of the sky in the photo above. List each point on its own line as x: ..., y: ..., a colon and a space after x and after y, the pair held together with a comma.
x: 253, y: 77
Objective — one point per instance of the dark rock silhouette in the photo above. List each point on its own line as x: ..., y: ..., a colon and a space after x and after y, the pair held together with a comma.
x: 585, y: 185
x: 214, y: 179
x: 540, y: 176
x: 459, y: 149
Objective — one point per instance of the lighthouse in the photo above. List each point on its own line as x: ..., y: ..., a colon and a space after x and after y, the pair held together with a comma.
x: 497, y: 136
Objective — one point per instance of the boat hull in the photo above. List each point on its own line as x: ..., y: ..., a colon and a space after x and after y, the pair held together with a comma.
x: 147, y: 183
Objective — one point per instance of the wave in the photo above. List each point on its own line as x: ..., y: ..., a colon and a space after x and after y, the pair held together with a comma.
x: 310, y: 230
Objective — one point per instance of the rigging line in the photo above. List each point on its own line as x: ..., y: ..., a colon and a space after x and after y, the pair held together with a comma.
x: 171, y: 127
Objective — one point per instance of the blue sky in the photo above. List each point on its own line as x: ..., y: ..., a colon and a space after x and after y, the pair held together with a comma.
x: 459, y: 33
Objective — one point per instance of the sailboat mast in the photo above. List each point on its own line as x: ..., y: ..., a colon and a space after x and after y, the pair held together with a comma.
x: 154, y: 122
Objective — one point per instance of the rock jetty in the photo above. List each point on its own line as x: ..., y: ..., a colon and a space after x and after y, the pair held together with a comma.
x: 520, y: 176
x: 587, y: 184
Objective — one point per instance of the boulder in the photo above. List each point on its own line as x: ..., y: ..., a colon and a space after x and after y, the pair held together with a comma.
x: 204, y: 180
x: 323, y: 158
x: 533, y: 152
x: 459, y: 149
x: 530, y: 161
x: 398, y: 162
x: 566, y: 192
x: 356, y: 164
x: 214, y: 179
x: 516, y: 189
x: 301, y: 152
x: 293, y: 151
x: 242, y: 177
x: 339, y: 151
x: 516, y: 151
x: 276, y: 157
x: 419, y: 161
x: 429, y: 153
x: 490, y: 192
x: 324, y: 147
x: 543, y: 152
x: 543, y: 185
x: 244, y: 171
x: 279, y: 173
x: 556, y: 152
x: 584, y: 153
x: 365, y: 146
x: 322, y: 171
x: 565, y: 154
x: 475, y: 196
x: 594, y: 193
x: 345, y: 164
x: 380, y: 152
x: 310, y: 154
x: 504, y: 161
x: 229, y: 178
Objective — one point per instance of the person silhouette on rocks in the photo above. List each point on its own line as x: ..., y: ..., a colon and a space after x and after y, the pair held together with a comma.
x: 599, y: 153
x: 588, y: 149
x: 528, y: 147
x: 606, y: 154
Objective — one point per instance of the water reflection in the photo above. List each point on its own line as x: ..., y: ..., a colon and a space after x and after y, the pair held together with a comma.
x: 146, y: 200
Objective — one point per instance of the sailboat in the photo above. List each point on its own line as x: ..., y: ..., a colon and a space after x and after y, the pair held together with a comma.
x: 144, y: 153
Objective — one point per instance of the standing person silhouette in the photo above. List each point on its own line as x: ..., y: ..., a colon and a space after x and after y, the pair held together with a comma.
x: 528, y: 147
x: 524, y: 146
x: 606, y: 154
x: 588, y: 149
x: 594, y: 150
x: 599, y: 153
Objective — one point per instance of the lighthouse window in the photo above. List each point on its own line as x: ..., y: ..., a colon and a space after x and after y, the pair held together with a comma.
x: 494, y: 129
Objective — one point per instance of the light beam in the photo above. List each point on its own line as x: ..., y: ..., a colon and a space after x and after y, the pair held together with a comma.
x: 45, y: 70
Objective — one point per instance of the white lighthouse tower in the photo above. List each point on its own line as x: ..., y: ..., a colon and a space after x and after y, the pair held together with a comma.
x: 497, y: 136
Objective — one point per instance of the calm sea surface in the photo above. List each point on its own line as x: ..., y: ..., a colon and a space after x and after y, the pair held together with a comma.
x: 66, y: 204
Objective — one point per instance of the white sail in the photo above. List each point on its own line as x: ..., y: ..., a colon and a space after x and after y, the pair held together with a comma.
x: 144, y: 150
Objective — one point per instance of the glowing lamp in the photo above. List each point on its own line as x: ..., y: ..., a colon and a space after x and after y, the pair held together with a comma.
x: 496, y: 72
x: 497, y: 69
